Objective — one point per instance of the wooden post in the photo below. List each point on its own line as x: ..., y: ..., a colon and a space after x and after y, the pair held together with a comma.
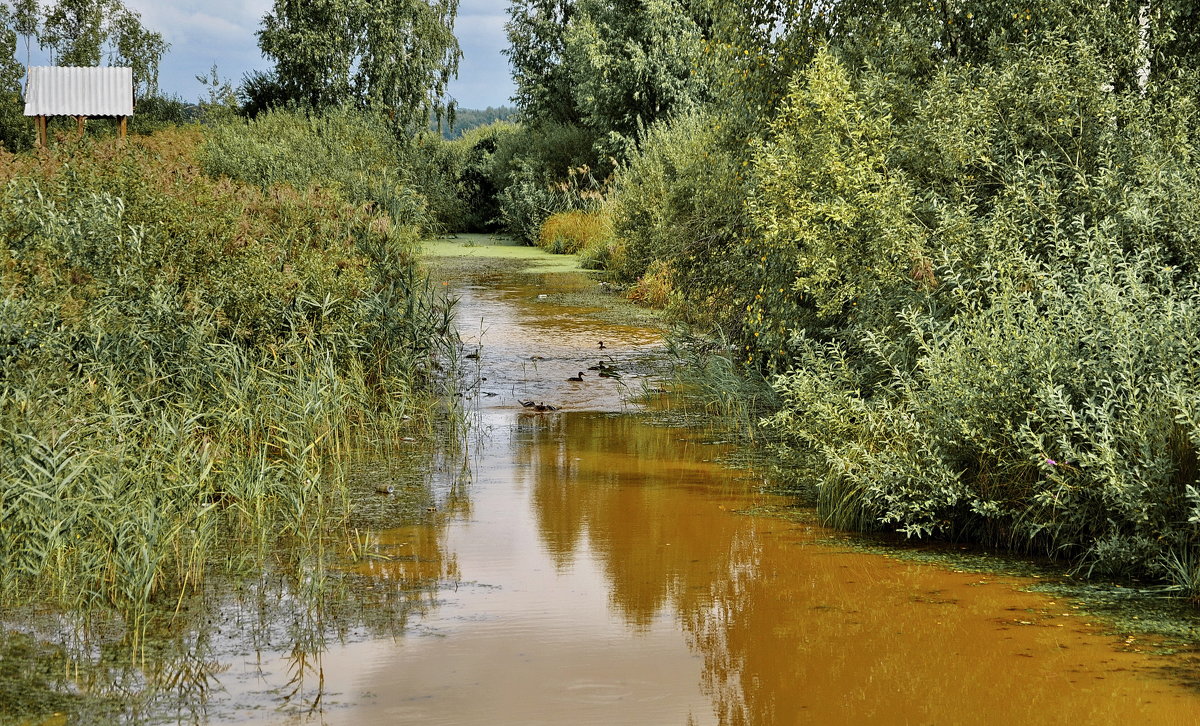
x: 79, y: 126
x: 123, y: 124
x: 43, y: 140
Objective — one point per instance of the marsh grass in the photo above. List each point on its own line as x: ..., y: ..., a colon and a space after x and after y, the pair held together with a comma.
x: 708, y: 388
x: 187, y: 364
x: 573, y: 231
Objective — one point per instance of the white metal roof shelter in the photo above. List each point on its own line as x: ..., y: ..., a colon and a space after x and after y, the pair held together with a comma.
x: 78, y: 92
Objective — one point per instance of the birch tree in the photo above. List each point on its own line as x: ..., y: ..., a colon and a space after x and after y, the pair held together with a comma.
x: 394, y: 55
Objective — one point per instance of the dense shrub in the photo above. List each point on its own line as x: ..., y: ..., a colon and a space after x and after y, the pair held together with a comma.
x: 680, y: 202
x: 353, y: 154
x: 458, y: 177
x: 158, y: 112
x: 985, y: 297
x: 16, y: 132
x: 544, y: 169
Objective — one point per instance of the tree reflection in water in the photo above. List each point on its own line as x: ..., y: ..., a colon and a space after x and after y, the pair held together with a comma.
x: 790, y: 629
x: 629, y: 490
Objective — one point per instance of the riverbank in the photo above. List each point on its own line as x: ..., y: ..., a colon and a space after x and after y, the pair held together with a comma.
x: 597, y: 565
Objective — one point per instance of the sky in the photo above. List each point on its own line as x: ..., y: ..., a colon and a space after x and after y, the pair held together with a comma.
x: 204, y: 32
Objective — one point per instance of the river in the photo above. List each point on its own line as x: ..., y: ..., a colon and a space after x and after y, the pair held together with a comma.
x: 599, y: 567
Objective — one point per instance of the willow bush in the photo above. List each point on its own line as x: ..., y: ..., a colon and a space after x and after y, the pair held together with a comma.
x: 973, y: 285
x: 184, y: 361
x: 678, y: 207
x: 985, y: 296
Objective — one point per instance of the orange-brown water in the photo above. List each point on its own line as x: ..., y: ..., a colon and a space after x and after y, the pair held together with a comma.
x: 606, y: 572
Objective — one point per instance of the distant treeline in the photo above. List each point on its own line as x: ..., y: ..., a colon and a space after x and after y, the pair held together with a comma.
x: 466, y: 119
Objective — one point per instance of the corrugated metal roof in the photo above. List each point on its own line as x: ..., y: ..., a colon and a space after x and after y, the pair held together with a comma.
x: 66, y: 91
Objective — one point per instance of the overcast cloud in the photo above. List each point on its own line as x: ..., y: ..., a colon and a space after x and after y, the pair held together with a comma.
x: 221, y: 32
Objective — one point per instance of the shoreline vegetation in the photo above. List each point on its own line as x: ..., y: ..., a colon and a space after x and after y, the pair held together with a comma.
x: 190, y: 354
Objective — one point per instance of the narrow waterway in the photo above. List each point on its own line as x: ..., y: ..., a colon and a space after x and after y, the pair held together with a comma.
x: 602, y: 569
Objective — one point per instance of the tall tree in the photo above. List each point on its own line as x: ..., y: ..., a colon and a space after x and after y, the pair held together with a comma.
x: 632, y: 62
x: 74, y: 31
x: 394, y: 55
x: 10, y: 68
x: 537, y: 31
x: 612, y: 66
x: 26, y: 23
x: 85, y: 32
x: 138, y: 48
x: 14, y: 130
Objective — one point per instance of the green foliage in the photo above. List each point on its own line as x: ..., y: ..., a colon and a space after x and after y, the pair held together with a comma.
x: 155, y: 113
x: 681, y: 201
x: 390, y: 55
x: 599, y: 71
x: 82, y: 32
x: 987, y: 303
x: 219, y: 102
x: 961, y: 240
x: 536, y: 43
x: 478, y: 181
x: 630, y: 64
x: 353, y: 154
x: 543, y: 169
x: 611, y: 66
x: 15, y: 131
x: 261, y: 91
x: 1053, y: 411
x: 835, y: 223
x: 184, y: 361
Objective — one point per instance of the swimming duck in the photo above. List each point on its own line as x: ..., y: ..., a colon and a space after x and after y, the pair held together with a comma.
x: 545, y: 407
x: 601, y: 344
x: 526, y: 404
x: 576, y: 379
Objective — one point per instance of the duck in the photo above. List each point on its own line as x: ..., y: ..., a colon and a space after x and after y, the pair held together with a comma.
x: 602, y: 366
x: 526, y: 404
x: 545, y: 407
x: 576, y: 379
x: 601, y: 342
x: 608, y: 372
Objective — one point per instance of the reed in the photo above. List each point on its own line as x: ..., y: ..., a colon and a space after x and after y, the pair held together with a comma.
x: 185, y: 364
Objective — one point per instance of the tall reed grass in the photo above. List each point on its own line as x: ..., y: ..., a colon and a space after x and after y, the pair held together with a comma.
x: 186, y: 361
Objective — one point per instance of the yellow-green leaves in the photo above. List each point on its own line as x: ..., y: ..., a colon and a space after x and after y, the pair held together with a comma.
x: 827, y: 203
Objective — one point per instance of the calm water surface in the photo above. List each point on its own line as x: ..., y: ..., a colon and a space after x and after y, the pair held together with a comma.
x: 605, y: 571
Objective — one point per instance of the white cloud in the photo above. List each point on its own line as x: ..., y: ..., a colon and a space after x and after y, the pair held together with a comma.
x: 240, y: 17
